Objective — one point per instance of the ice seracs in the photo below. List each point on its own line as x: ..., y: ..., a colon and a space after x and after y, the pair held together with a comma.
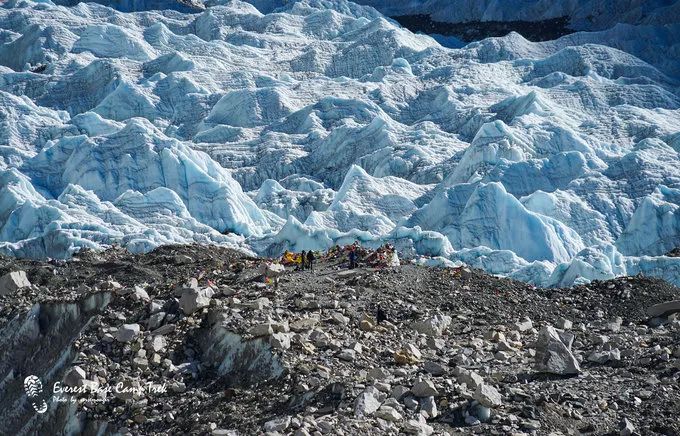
x: 301, y: 125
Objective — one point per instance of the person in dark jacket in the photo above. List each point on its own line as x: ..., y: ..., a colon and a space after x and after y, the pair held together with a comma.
x: 352, y: 259
x: 303, y: 260
x: 310, y: 260
x: 380, y: 315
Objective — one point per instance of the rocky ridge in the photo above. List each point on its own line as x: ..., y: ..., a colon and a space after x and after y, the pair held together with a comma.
x: 193, y: 341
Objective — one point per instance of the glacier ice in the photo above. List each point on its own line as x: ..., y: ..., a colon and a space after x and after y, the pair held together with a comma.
x: 275, y: 125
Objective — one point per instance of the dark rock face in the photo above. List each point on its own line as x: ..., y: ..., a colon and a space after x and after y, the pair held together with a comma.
x: 457, y: 350
x: 40, y: 342
x: 545, y: 30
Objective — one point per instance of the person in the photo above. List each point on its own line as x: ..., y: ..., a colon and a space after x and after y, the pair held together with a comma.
x: 303, y: 260
x: 310, y: 260
x: 380, y: 315
x: 352, y: 258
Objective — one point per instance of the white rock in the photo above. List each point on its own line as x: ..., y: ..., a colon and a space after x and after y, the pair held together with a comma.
x: 279, y: 424
x: 434, y: 326
x: 13, y: 281
x: 156, y: 343
x: 429, y: 406
x: 194, y: 299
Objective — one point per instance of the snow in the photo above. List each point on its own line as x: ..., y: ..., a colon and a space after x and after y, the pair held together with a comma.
x: 301, y: 125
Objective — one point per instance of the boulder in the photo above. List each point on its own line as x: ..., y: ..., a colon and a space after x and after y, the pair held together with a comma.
x: 139, y: 294
x: 156, y: 343
x: 553, y: 352
x: 488, y: 396
x: 429, y: 406
x: 469, y: 378
x: 261, y: 330
x: 524, y: 325
x: 194, y: 299
x: 424, y: 388
x: 75, y: 376
x: 434, y: 368
x: 434, y: 326
x: 419, y: 427
x: 272, y: 269
x: 367, y: 403
x: 127, y: 332
x: 12, y: 282
x: 277, y: 425
x: 388, y: 414
x: 280, y: 341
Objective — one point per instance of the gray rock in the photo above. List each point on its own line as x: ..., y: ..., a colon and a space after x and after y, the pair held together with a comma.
x: 488, y: 396
x: 339, y: 318
x: 435, y: 343
x: 367, y: 403
x: 139, y: 294
x: 553, y: 353
x: 388, y: 414
x: 564, y: 324
x: 127, y: 332
x: 434, y: 368
x: 13, y: 281
x: 469, y: 378
x: 261, y: 330
x: 626, y: 428
x: 75, y: 376
x: 155, y: 320
x: 411, y: 403
x: 194, y: 299
x: 280, y: 341
x: 347, y: 355
x: 424, y: 388
x: 156, y: 343
x: 378, y: 374
x: 164, y: 330
x: 399, y: 391
x: 604, y: 356
x: 420, y: 427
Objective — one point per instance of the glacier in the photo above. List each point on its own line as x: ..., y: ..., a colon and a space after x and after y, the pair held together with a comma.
x: 272, y: 125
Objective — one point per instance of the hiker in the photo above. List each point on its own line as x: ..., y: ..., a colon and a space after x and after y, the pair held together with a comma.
x: 310, y: 260
x: 380, y: 315
x: 303, y: 260
x: 352, y: 258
